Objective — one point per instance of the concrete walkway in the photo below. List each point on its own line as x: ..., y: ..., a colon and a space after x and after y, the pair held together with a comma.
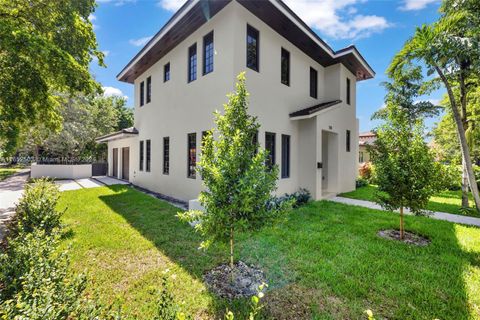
x: 87, y: 183
x: 435, y: 215
x: 11, y: 190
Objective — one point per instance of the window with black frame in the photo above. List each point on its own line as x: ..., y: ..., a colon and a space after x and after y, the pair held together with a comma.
x: 285, y: 67
x: 192, y: 155
x: 285, y: 156
x: 149, y: 89
x: 192, y: 63
x: 142, y: 93
x: 270, y: 147
x: 348, y: 140
x: 208, y: 53
x: 166, y: 72
x: 141, y: 156
x: 252, y: 48
x: 166, y: 155
x: 149, y: 154
x: 313, y: 83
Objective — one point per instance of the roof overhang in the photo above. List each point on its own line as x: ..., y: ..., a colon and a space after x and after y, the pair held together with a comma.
x: 122, y: 134
x: 275, y: 13
x: 314, y: 111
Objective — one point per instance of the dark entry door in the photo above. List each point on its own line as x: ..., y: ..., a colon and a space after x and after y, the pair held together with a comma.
x: 115, y: 163
x: 125, y: 163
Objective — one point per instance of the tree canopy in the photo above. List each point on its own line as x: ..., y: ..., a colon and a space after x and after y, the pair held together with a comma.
x: 45, y: 50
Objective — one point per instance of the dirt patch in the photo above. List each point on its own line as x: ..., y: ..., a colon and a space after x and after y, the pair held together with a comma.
x: 246, y: 280
x: 409, y: 237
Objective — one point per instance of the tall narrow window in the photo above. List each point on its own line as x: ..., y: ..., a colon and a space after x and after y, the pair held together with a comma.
x: 348, y: 91
x: 192, y: 63
x: 270, y: 147
x: 166, y: 72
x: 142, y: 93
x: 313, y: 83
x: 149, y: 154
x: 166, y: 155
x: 253, y: 43
x: 141, y: 154
x: 348, y: 141
x: 285, y: 67
x: 285, y: 156
x: 208, y: 52
x: 192, y: 155
x: 149, y: 89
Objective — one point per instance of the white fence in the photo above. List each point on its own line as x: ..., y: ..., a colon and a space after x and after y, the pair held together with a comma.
x: 61, y: 171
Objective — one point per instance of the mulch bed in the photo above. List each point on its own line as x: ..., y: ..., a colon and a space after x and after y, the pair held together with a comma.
x: 246, y: 280
x: 409, y: 237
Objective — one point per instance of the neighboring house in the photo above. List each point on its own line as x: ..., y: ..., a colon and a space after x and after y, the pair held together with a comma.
x: 365, y: 139
x: 303, y: 93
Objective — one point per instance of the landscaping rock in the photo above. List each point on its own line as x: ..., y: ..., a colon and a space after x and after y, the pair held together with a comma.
x: 246, y: 280
x: 409, y: 237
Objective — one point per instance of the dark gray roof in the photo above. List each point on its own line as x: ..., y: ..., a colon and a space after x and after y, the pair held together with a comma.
x: 316, y: 108
x: 131, y: 130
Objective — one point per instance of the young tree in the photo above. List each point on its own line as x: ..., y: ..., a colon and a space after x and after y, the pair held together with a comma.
x: 46, y: 47
x: 407, y: 175
x: 237, y: 178
x: 449, y: 48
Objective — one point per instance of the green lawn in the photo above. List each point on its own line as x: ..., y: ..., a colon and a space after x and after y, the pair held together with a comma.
x: 445, y: 201
x: 324, y: 262
x: 7, y: 172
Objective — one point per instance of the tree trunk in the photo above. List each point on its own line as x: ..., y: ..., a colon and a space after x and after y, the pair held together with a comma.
x: 402, y: 231
x: 463, y: 140
x: 465, y: 203
x: 231, y: 248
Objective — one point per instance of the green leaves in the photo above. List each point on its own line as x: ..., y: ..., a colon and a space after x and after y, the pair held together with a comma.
x: 45, y: 49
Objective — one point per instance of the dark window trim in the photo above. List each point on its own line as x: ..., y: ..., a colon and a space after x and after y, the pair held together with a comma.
x: 192, y: 65
x: 313, y: 83
x: 141, y: 155
x: 348, y: 91
x: 287, y: 56
x: 166, y: 74
x: 166, y: 155
x: 142, y: 93
x: 286, y: 146
x: 149, y: 89
x: 191, y: 160
x: 348, y: 139
x: 271, y: 161
x: 207, y: 37
x: 148, y: 155
x: 256, y: 33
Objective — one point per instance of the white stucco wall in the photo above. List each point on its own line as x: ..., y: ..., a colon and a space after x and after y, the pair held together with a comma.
x: 178, y: 107
x: 61, y: 171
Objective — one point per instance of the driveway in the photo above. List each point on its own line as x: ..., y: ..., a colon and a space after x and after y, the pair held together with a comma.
x: 87, y: 183
x: 11, y: 189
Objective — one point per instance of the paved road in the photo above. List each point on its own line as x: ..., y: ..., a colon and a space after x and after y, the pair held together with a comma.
x: 11, y: 189
x: 435, y: 215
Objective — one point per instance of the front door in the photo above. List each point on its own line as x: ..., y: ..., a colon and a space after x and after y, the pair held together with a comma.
x: 115, y: 163
x: 125, y: 163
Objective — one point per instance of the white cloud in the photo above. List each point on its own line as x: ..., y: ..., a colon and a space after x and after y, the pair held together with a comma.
x: 338, y: 18
x: 106, y: 52
x: 117, y: 2
x: 140, y: 42
x: 92, y: 17
x: 171, y: 5
x: 411, y: 5
x: 112, y: 91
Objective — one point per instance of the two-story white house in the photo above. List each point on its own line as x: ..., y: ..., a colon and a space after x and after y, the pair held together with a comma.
x: 302, y: 91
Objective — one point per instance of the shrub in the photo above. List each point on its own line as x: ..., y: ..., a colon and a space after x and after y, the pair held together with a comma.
x: 296, y: 199
x: 361, y: 182
x: 367, y: 172
x: 451, y: 177
x: 37, y: 208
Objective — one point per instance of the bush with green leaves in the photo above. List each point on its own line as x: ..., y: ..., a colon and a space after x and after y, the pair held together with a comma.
x: 361, y: 182
x: 37, y: 209
x: 238, y: 181
x: 296, y: 199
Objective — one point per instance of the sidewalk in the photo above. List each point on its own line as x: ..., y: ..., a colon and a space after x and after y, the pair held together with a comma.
x: 11, y: 190
x: 435, y: 215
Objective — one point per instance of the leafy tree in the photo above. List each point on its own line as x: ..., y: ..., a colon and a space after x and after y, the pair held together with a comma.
x: 449, y: 48
x: 238, y: 181
x: 46, y: 47
x: 406, y: 172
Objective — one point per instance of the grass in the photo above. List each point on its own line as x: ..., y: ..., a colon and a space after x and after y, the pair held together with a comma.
x: 7, y: 172
x: 324, y: 262
x: 445, y: 201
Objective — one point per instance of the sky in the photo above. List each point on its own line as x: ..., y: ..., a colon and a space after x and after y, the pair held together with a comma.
x: 378, y: 28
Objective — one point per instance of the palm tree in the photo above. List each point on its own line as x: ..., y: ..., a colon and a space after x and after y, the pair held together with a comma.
x: 449, y: 48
